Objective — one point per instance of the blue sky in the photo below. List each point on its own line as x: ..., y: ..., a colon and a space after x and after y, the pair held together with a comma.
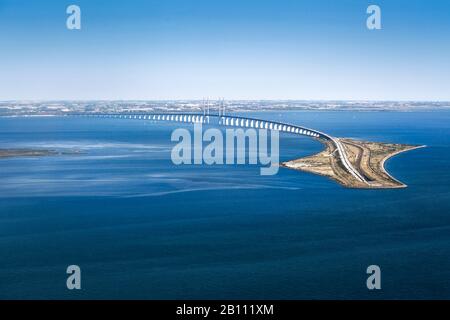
x: 237, y: 49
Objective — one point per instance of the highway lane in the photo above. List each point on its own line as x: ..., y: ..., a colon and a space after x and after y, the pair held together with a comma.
x: 346, y: 162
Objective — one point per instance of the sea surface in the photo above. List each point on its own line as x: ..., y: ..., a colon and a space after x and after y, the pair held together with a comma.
x: 140, y: 227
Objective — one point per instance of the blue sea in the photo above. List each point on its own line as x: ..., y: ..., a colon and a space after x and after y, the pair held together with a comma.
x: 140, y: 227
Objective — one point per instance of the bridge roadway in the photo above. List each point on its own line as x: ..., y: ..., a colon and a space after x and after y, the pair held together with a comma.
x: 237, y: 121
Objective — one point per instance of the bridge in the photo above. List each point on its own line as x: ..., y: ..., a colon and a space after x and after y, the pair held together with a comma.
x: 241, y: 122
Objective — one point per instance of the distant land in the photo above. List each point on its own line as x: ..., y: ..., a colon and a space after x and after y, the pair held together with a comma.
x: 35, y: 108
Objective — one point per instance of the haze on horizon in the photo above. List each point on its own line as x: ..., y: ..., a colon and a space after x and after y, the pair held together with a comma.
x: 241, y: 50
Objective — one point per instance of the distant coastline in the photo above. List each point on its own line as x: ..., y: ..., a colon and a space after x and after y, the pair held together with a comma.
x: 58, y: 108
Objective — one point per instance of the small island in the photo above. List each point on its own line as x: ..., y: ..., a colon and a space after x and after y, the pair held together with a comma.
x: 368, y: 158
x: 9, y: 153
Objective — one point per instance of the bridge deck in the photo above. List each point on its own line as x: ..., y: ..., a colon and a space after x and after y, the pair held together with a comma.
x: 241, y: 122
